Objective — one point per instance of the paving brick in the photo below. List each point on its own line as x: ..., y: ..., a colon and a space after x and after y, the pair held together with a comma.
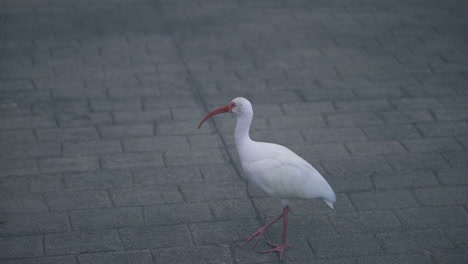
x: 31, y: 246
x: 401, y: 258
x: 60, y: 106
x: 132, y: 160
x: 352, y: 119
x: 45, y: 260
x: 346, y: 182
x: 351, y: 245
x: 451, y: 114
x: 364, y: 222
x: 106, y: 82
x: 442, y: 195
x: 463, y: 141
x: 416, y: 103
x: 405, y: 116
x: 91, y: 148
x: 12, y: 184
x: 363, y: 105
x: 67, y: 134
x: 118, y: 257
x: 35, y: 223
x: 156, y: 143
x: 60, y: 201
x: 205, y: 141
x: 168, y: 176
x: 16, y: 85
x: 223, y: 232
x: 181, y: 114
x: 57, y: 83
x: 37, y: 150
x: 17, y: 136
x: 98, y: 180
x: 458, y: 236
x: 449, y: 256
x: 432, y: 217
x: 125, y: 131
x: 417, y: 161
x: 453, y: 176
x: 306, y: 108
x: 359, y: 165
x: 82, y: 242
x: 22, y: 203
x: 326, y: 93
x: 216, y: 172
x: 70, y: 93
x: 457, y: 159
x: 123, y: 104
x: 414, y: 241
x: 202, y: 254
x: 106, y: 218
x: 169, y: 101
x: 82, y: 120
x: 136, y: 91
x: 70, y: 164
x: 404, y: 179
x: 383, y: 200
x: 375, y: 148
x: 165, y: 214
x: 232, y: 209
x: 297, y: 120
x: 43, y: 182
x: 152, y: 237
x: 137, y: 117
x: 316, y: 135
x: 454, y: 101
x: 432, y: 145
x: 214, y: 191
x: 443, y: 129
x: 187, y: 158
x: 146, y: 196
x: 177, y: 128
x: 17, y: 122
x: 391, y: 132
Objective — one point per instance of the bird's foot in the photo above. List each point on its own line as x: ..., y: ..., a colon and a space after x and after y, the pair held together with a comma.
x: 260, y: 232
x: 279, y: 248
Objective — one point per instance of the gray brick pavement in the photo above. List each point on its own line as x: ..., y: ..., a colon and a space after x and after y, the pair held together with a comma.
x: 101, y: 161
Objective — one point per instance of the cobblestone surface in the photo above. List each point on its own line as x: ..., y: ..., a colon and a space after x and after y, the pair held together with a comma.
x: 101, y: 161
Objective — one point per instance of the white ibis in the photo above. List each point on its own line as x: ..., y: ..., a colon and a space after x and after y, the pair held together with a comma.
x: 275, y: 169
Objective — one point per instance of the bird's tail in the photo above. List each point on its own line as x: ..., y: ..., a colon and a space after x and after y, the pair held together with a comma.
x: 329, y: 204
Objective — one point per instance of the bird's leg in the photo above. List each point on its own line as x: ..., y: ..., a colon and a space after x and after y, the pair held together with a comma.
x: 282, y: 247
x: 262, y: 231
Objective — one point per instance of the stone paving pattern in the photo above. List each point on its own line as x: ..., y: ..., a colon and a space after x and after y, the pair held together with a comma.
x: 102, y: 162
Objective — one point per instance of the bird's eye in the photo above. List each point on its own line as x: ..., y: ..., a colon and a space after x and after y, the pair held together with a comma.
x: 233, y: 104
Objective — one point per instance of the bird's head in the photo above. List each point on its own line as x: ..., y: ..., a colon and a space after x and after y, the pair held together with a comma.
x: 238, y: 106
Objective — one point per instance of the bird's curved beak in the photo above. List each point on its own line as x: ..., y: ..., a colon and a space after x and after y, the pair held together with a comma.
x: 221, y: 110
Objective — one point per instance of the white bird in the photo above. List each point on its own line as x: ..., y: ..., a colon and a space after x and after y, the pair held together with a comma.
x: 275, y: 169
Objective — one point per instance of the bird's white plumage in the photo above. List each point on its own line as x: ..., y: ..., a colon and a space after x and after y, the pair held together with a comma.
x: 282, y: 174
x: 275, y: 169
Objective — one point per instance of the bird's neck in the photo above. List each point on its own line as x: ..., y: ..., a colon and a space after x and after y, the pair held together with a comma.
x: 241, y: 134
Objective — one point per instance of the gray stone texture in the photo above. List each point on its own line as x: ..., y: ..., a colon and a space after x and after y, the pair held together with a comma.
x: 101, y: 160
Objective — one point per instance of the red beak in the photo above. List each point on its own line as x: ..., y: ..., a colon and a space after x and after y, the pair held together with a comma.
x: 221, y: 110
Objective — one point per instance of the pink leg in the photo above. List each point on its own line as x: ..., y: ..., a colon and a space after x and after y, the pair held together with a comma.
x: 262, y: 231
x: 283, y: 246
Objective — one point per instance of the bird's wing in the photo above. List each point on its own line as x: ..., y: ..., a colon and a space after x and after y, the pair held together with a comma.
x: 285, y: 175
